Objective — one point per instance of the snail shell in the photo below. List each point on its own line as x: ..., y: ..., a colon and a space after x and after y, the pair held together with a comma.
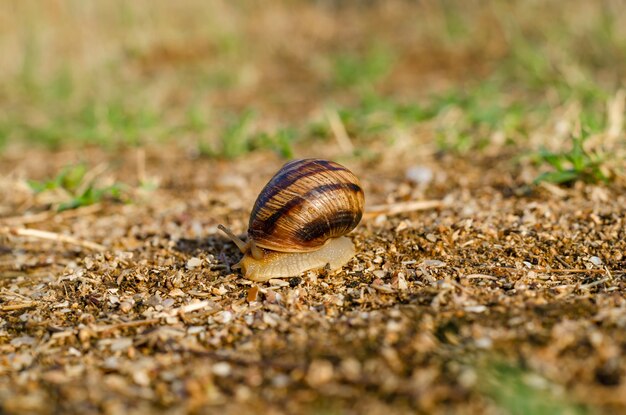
x: 299, y: 219
x: 306, y: 203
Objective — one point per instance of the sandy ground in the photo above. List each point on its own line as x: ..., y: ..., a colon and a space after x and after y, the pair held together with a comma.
x: 503, y: 291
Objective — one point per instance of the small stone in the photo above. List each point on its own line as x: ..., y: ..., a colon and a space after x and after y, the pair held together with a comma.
x: 419, y: 174
x: 468, y: 378
x: 277, y: 282
x: 401, y: 281
x: 154, y: 300
x: 22, y: 341
x: 221, y: 369
x: 281, y: 381
x: 595, y: 261
x: 272, y: 297
x: 433, y: 263
x: 294, y: 282
x: 176, y: 292
x: 224, y: 317
x: 195, y: 329
x: 89, y: 263
x: 475, y: 309
x: 126, y: 306
x: 319, y: 373
x: 484, y: 343
x: 121, y: 344
x: 402, y: 226
x: 141, y: 378
x: 253, y: 293
x: 270, y: 319
x: 351, y: 368
x: 193, y: 263
x: 379, y: 273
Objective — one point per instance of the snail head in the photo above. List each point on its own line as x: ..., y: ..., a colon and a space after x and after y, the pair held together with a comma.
x: 246, y: 248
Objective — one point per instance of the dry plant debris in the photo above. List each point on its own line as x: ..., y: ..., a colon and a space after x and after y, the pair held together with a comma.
x: 434, y: 299
x: 474, y: 290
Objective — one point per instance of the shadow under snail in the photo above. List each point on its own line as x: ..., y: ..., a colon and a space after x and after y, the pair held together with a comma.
x: 299, y: 221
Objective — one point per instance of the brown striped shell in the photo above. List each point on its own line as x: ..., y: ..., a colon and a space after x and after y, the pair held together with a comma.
x: 306, y: 203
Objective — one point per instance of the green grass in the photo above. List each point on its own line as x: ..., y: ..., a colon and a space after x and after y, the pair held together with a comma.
x: 240, y: 136
x: 573, y: 164
x: 551, y: 58
x: 78, y: 188
x: 463, y: 119
x: 521, y: 392
x: 352, y: 69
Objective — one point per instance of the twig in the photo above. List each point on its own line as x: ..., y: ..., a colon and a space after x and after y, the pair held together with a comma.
x: 593, y: 284
x: 90, y: 176
x: 127, y: 324
x: 402, y: 207
x: 72, y: 277
x: 339, y: 131
x: 141, y: 165
x: 14, y: 307
x: 43, y: 216
x: 615, y: 110
x: 52, y: 236
x: 192, y: 307
x: 556, y: 270
x: 555, y: 190
x: 480, y: 276
x: 14, y: 274
x: 244, y: 361
x: 24, y: 219
x: 383, y: 288
x: 188, y: 308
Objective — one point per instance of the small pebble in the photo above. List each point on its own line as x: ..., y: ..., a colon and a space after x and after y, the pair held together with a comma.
x: 221, y: 369
x: 595, y: 260
x: 224, y: 317
x: 253, y: 293
x: 126, y: 306
x: 419, y: 174
x: 193, y: 263
x: 320, y: 372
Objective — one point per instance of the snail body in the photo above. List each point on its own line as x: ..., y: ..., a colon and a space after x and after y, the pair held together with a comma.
x: 299, y: 220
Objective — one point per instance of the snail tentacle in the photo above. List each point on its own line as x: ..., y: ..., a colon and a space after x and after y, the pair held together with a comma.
x: 243, y: 246
x: 256, y: 252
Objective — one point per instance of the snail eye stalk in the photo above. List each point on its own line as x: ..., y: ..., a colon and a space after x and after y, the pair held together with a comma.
x: 257, y: 253
x: 236, y: 240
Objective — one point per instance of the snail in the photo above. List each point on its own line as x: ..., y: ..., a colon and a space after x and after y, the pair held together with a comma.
x: 299, y: 221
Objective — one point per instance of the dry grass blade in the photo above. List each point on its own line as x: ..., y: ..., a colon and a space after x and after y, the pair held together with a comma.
x: 615, y: 111
x: 595, y: 283
x: 339, y: 131
x: 52, y: 236
x: 557, y: 270
x: 15, y: 307
x: 126, y: 324
x: 402, y: 207
x: 44, y: 216
x: 188, y: 308
x: 480, y: 277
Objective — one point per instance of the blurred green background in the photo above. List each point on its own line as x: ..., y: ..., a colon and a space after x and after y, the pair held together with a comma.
x: 223, y: 78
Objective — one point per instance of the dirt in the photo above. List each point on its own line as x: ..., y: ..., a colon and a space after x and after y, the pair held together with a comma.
x: 502, y: 296
x: 503, y: 273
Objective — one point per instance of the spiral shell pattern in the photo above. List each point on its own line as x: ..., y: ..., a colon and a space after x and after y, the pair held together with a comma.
x: 306, y: 203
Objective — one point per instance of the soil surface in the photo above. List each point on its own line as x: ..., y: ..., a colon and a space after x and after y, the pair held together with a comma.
x: 442, y: 309
x: 495, y: 296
